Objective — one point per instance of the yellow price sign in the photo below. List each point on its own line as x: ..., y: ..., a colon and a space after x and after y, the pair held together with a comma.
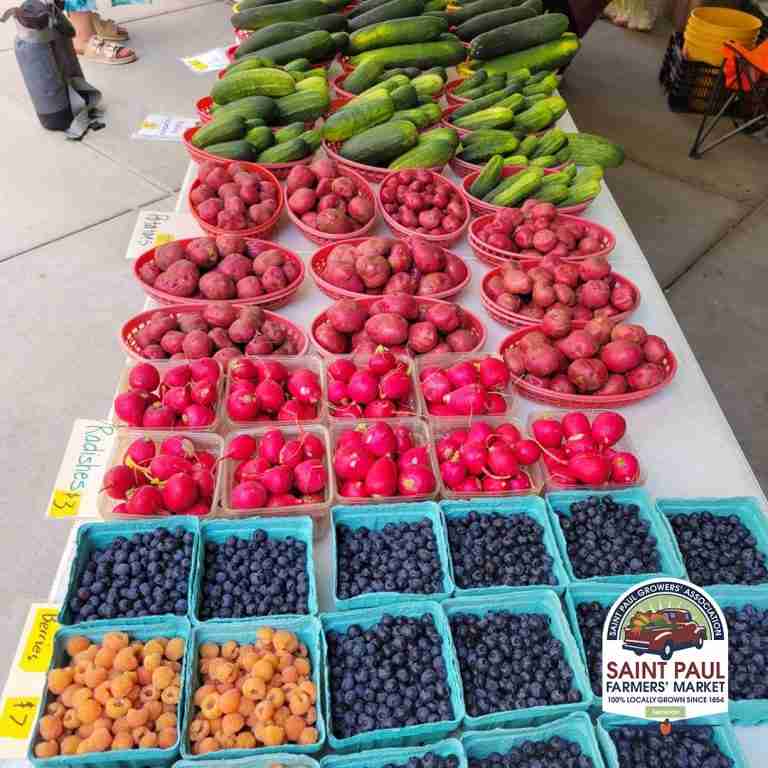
x: 38, y: 645
x: 64, y: 504
x: 161, y: 238
x: 18, y: 717
x: 200, y: 66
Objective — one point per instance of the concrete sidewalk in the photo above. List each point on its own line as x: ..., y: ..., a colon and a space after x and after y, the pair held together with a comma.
x: 68, y: 210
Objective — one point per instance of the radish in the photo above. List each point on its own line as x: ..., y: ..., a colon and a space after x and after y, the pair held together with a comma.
x: 250, y: 494
x: 527, y: 452
x: 435, y: 387
x: 278, y: 479
x: 501, y: 460
x: 453, y: 473
x: 144, y: 501
x: 291, y: 454
x: 462, y: 374
x: 446, y: 449
x: 404, y: 438
x: 625, y: 468
x: 548, y: 432
x: 474, y: 456
x: 342, y: 369
x: 242, y: 406
x: 130, y: 407
x: 363, y: 387
x: 413, y: 456
x: 467, y: 400
x: 158, y: 416
x: 495, y: 484
x: 252, y: 469
x: 241, y: 448
x: 575, y: 424
x: 395, y: 385
x: 270, y: 395
x: 608, y: 428
x: 379, y: 439
x: 470, y: 484
x: 142, y: 450
x: 590, y: 468
x: 310, y: 476
x: 382, y: 362
x: 520, y: 482
x: 144, y: 376
x: 352, y: 463
x: 304, y: 385
x: 163, y: 466
x: 380, y: 409
x: 203, y: 393
x: 243, y: 368
x: 509, y: 432
x: 314, y: 447
x: 479, y: 432
x: 197, y: 416
x: 381, y: 478
x: 338, y: 392
x: 353, y: 489
x: 179, y: 493
x: 416, y: 480
x: 118, y: 480
x: 179, y: 376
x: 205, y: 369
x: 271, y: 445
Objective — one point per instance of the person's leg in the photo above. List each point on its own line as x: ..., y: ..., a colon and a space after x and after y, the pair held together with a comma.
x: 82, y: 21
x: 86, y: 43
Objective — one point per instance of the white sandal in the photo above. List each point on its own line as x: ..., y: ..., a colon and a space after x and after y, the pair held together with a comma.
x: 107, y: 52
x: 108, y: 29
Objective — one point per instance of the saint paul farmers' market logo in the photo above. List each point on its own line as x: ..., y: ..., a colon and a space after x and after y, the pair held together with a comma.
x: 665, y: 653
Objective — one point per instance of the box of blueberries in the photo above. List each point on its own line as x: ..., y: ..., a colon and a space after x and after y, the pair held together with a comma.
x: 746, y: 613
x: 496, y: 544
x: 443, y: 754
x: 587, y: 606
x: 721, y: 541
x: 569, y: 741
x: 710, y: 739
x: 275, y: 760
x: 618, y: 537
x: 500, y: 687
x: 128, y: 571
x: 402, y: 650
x: 388, y: 552
x: 255, y: 567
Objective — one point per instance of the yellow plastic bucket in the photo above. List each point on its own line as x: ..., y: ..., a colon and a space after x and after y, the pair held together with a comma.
x: 696, y: 52
x: 726, y: 20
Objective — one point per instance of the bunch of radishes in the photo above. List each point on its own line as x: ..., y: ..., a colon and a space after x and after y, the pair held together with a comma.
x: 185, y: 396
x: 486, y: 459
x: 467, y: 388
x: 377, y: 389
x: 276, y: 470
x: 232, y: 198
x: 577, y: 452
x: 551, y: 287
x: 423, y: 202
x: 227, y: 267
x: 376, y: 460
x: 268, y: 390
x: 600, y: 358
x: 537, y: 229
x: 173, y: 476
x: 220, y: 329
x: 327, y: 201
x: 381, y: 265
x: 396, y: 321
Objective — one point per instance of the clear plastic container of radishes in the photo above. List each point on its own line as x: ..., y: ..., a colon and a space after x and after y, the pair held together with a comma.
x: 379, y: 385
x: 595, y: 451
x: 486, y: 456
x: 464, y: 385
x: 383, y: 460
x: 139, y: 480
x: 275, y: 389
x: 280, y: 493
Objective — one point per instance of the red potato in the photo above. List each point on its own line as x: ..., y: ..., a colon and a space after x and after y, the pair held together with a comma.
x: 402, y: 282
x: 266, y: 259
x: 302, y: 201
x: 347, y: 316
x: 422, y: 337
x: 215, y: 285
x: 300, y: 177
x: 399, y: 304
x: 387, y: 328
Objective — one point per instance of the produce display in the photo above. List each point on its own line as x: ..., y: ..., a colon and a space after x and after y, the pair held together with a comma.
x: 355, y: 659
x: 276, y: 469
x: 220, y: 329
x: 273, y: 390
x: 229, y: 198
x: 257, y: 564
x: 599, y: 358
x: 483, y: 642
x: 591, y: 617
x: 581, y: 451
x: 476, y: 543
x: 379, y: 461
x: 550, y: 288
x: 627, y: 542
x: 93, y: 711
x: 512, y: 113
x: 423, y: 203
x: 675, y: 747
x: 237, y: 678
x: 401, y: 557
x: 550, y: 753
x: 406, y: 87
x: 118, y: 581
x: 718, y: 550
x: 380, y: 387
x: 396, y: 321
x: 747, y: 630
x: 329, y: 201
x: 485, y: 459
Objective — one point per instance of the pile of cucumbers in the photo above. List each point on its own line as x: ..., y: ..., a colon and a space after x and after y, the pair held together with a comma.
x: 248, y: 103
x: 569, y: 186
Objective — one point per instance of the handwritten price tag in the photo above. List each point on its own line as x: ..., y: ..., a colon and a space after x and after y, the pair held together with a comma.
x: 64, y: 504
x: 38, y: 645
x: 18, y: 716
x: 209, y: 61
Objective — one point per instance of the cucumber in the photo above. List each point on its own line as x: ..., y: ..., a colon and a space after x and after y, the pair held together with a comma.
x: 330, y: 22
x: 544, y: 161
x: 482, y: 103
x: 292, y: 10
x: 478, y: 7
x: 260, y: 138
x: 404, y: 97
x: 408, y: 72
x: 589, y: 149
x: 516, y: 160
x: 394, y: 9
x: 427, y: 86
x: 340, y: 40
x: 412, y: 29
x: 252, y: 61
x: 297, y: 65
x: 435, y: 5
x: 356, y: 118
x: 582, y: 193
x: 446, y: 53
x: 271, y: 35
x: 505, y: 183
x: 315, y: 46
x: 552, y: 55
x: 232, y: 150
x: 227, y: 128
x: 493, y: 83
x: 421, y: 117
x: 254, y: 122
x: 313, y: 84
x: 363, y: 76
x: 513, y: 102
x: 488, y: 178
x: 492, y: 117
x: 552, y: 193
x: 364, y: 7
x: 249, y: 108
x: 438, y: 70
x: 519, y: 36
x: 381, y: 144
x: 485, y: 134
x: 292, y: 131
x: 302, y: 106
x: 475, y: 79
x: 528, y: 145
x: 535, y: 118
x: 254, y: 82
x: 481, y: 151
x: 590, y: 173
x: 487, y: 22
x: 546, y: 86
x: 312, y: 139
x: 549, y: 144
x: 427, y: 154
x: 295, y: 149
x: 526, y: 184
x: 440, y: 134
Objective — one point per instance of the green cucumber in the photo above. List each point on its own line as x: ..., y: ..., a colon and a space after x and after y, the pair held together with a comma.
x: 440, y: 134
x: 493, y: 83
x: 292, y: 10
x: 551, y: 55
x: 427, y: 154
x: 254, y: 82
x: 315, y: 46
x: 528, y: 145
x: 404, y: 97
x: 477, y: 78
x: 381, y: 144
x: 480, y: 151
x: 445, y: 53
x: 260, y: 138
x: 589, y: 149
x: 287, y: 152
x: 363, y: 77
x: 582, y: 193
x: 250, y: 107
x: 486, y: 22
x: 232, y: 150
x: 303, y: 106
x: 519, y: 36
x: 488, y: 178
x: 220, y: 129
x: 505, y: 183
x: 356, y: 118
x: 525, y: 185
x: 552, y: 193
x: 271, y: 35
x: 427, y: 86
x: 492, y: 117
x: 483, y: 103
x: 298, y: 65
x: 394, y: 9
x: 292, y: 131
x: 312, y: 139
x: 412, y: 29
x: 590, y: 173
x: 478, y: 7
x: 544, y: 161
x: 515, y: 160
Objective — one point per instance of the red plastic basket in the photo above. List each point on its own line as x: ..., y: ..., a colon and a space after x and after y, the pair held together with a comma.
x: 135, y: 324
x: 368, y: 172
x: 474, y: 323
x: 462, y: 167
x: 267, y: 301
x: 516, y: 319
x: 324, y: 238
x: 454, y: 101
x: 345, y: 63
x: 444, y: 240
x: 336, y: 83
x: 203, y: 107
x: 231, y: 51
x: 319, y: 259
x: 255, y: 231
x: 241, y: 34
x: 483, y: 250
x: 540, y: 395
x: 480, y: 207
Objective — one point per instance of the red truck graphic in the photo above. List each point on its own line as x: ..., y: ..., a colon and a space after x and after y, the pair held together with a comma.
x: 663, y: 632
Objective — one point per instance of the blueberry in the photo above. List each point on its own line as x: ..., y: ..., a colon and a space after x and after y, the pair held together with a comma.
x: 555, y: 752
x: 684, y: 747
x: 240, y: 579
x: 476, y: 638
x: 591, y: 617
x: 747, y: 661
x: 362, y: 671
x: 718, y: 550
x: 606, y: 538
x: 498, y: 550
